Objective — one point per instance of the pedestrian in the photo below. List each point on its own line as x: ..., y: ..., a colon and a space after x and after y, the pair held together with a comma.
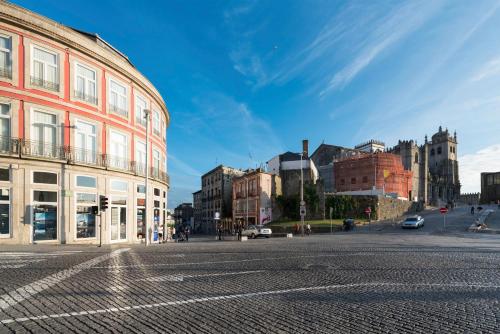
x: 187, y: 234
x: 219, y: 232
x: 472, y: 210
x: 240, y: 228
x: 308, y: 229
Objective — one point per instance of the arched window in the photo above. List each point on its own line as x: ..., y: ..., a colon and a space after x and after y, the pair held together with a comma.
x: 439, y: 150
x: 416, y: 157
x: 432, y: 151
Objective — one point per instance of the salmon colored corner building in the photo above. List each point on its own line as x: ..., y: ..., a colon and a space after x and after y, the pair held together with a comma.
x: 73, y: 128
x: 375, y: 173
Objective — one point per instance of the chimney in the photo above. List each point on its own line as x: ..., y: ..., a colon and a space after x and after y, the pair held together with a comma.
x: 305, y: 148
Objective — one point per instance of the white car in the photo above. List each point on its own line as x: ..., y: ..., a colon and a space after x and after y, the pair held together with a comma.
x: 254, y: 231
x: 413, y: 222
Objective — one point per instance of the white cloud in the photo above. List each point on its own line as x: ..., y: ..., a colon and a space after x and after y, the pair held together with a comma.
x: 472, y: 165
x: 394, y: 28
x: 491, y: 68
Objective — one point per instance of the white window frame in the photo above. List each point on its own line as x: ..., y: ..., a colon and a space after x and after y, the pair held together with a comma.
x: 118, y: 191
x: 113, y: 108
x: 46, y: 184
x: 111, y: 205
x: 58, y: 216
x: 156, y: 151
x: 164, y: 130
x: 139, y: 112
x: 93, y: 159
x: 32, y: 120
x: 127, y: 146
x: 45, y: 64
x: 156, y: 123
x: 9, y: 54
x: 9, y: 117
x: 86, y: 205
x: 85, y: 84
x: 138, y: 143
x: 83, y: 187
x: 9, y: 202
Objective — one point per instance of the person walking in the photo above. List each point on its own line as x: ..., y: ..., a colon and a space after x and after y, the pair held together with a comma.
x: 308, y: 229
x: 187, y: 234
x: 219, y: 232
x: 239, y: 231
x: 472, y: 210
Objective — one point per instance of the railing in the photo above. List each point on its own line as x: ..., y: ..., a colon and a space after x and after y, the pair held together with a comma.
x: 118, y: 110
x: 23, y: 148
x: 85, y: 97
x: 44, y: 84
x: 6, y: 72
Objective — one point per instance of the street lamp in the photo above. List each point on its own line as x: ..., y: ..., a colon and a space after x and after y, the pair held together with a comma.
x: 147, y: 114
x: 302, y: 203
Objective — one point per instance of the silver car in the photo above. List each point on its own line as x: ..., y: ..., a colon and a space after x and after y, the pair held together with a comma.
x: 413, y: 222
x: 254, y: 231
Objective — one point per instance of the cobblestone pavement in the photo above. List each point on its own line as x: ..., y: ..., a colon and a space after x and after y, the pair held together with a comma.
x: 344, y: 283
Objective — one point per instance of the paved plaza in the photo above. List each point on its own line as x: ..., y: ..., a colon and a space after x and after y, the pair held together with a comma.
x: 385, y: 280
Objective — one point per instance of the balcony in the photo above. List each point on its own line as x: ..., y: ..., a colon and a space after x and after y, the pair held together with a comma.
x: 44, y: 83
x: 85, y: 97
x: 32, y: 149
x: 118, y: 110
x: 6, y: 72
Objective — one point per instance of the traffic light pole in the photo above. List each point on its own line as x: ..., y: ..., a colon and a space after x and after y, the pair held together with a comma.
x: 146, y: 204
x: 100, y: 228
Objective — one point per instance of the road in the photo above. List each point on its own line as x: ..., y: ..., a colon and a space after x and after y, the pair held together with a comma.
x: 384, y: 281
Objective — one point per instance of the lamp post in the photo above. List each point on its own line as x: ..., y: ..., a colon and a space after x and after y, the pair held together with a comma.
x: 147, y: 114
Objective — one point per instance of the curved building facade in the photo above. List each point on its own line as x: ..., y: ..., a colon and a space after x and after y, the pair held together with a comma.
x: 73, y: 128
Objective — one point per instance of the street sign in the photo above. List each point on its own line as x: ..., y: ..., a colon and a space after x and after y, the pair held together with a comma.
x: 443, y: 210
x: 302, y: 211
x: 302, y: 203
x: 368, y: 210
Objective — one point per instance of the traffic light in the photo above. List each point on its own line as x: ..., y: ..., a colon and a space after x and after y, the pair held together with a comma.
x: 94, y: 210
x: 103, y: 202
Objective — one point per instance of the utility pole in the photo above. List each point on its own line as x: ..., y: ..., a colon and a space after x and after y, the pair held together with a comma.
x: 302, y: 203
x: 147, y: 114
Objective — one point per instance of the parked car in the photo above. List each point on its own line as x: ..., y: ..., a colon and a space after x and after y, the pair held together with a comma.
x: 413, y: 222
x: 254, y: 231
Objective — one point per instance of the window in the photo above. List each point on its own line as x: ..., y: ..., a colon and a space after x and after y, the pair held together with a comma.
x: 118, y: 98
x: 118, y: 150
x: 4, y: 127
x: 432, y: 152
x: 140, y: 107
x: 342, y: 181
x: 4, y: 174
x: 353, y: 180
x: 141, y: 189
x: 156, y: 122
x: 44, y: 215
x: 85, y: 82
x: 85, y: 219
x: 365, y: 179
x: 156, y: 192
x: 117, y: 185
x: 164, y: 129
x: 85, y: 142
x: 5, y: 57
x: 44, y: 178
x: 44, y: 138
x: 140, y: 157
x: 45, y: 69
x: 86, y: 181
x: 439, y: 151
x: 416, y: 157
x: 156, y: 162
x: 4, y: 211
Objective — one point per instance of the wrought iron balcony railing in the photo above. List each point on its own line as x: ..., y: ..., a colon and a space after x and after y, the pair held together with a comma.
x: 118, y: 110
x: 6, y: 72
x: 50, y: 85
x: 85, y: 97
x: 24, y: 148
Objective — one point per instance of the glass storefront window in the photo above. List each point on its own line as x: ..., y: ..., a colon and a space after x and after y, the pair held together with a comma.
x: 4, y: 174
x: 45, y: 222
x: 141, y: 218
x: 44, y: 177
x: 85, y: 219
x: 118, y: 218
x: 86, y: 181
x: 4, y: 211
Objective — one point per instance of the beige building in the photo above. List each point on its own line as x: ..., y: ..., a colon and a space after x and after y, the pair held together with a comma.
x: 254, y: 194
x: 73, y: 128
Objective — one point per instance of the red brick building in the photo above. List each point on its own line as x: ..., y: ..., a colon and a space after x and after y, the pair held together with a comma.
x: 382, y: 172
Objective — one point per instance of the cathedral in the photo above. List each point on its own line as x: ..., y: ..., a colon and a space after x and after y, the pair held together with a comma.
x: 434, y: 165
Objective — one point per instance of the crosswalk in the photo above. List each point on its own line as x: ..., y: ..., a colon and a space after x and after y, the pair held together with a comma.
x: 13, y: 260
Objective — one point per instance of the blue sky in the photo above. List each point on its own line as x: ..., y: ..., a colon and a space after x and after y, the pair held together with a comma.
x: 246, y: 80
